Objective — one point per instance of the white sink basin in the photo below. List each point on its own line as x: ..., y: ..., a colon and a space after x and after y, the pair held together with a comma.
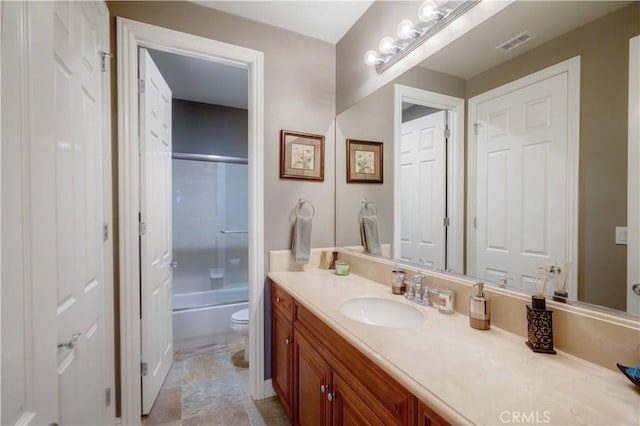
x: 382, y: 312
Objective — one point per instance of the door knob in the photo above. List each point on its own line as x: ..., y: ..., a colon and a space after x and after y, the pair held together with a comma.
x: 174, y: 263
x: 71, y: 343
x: 323, y: 388
x: 287, y: 341
x: 330, y: 396
x: 636, y: 288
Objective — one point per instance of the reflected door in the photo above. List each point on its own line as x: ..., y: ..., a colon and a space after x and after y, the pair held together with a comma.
x: 423, y: 190
x: 521, y: 211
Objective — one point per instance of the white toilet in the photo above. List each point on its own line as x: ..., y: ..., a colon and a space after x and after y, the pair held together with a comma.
x: 240, y: 324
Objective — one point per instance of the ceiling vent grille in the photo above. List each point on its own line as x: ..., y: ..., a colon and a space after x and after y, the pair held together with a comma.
x: 516, y: 41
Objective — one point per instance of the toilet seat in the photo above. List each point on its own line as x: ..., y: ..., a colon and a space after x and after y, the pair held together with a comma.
x: 241, y: 316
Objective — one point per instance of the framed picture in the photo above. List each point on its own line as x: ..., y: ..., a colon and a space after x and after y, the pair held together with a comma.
x: 301, y: 156
x: 364, y: 161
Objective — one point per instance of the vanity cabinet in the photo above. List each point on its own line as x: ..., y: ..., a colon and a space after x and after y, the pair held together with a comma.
x: 311, y: 384
x: 282, y: 347
x: 428, y: 417
x: 321, y: 379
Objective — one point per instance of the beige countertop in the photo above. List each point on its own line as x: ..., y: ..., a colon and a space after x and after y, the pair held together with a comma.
x: 467, y: 375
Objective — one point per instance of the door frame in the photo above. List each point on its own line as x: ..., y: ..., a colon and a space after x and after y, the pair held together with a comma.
x: 572, y: 68
x: 455, y: 166
x: 132, y: 35
x: 633, y: 199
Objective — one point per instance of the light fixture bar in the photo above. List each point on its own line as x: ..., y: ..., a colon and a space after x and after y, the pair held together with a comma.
x: 436, y: 28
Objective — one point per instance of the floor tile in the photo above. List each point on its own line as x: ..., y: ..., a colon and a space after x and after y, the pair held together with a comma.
x: 209, y: 386
x: 166, y: 409
x: 207, y: 366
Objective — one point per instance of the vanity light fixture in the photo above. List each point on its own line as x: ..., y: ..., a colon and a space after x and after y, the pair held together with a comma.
x: 433, y: 16
x: 388, y: 46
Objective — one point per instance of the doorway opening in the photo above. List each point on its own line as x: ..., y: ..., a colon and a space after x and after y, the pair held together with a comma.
x: 133, y: 36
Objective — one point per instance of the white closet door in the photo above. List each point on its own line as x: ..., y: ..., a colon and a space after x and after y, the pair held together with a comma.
x: 521, y: 182
x: 155, y: 243
x: 423, y: 190
x: 57, y: 356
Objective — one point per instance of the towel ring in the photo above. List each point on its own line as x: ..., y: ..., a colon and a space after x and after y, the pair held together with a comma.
x: 366, y: 204
x: 301, y: 203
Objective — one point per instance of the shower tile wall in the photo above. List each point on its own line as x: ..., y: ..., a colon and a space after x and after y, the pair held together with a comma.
x: 208, y: 198
x: 236, y: 204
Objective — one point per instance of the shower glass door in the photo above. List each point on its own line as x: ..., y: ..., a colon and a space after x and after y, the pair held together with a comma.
x: 210, y: 239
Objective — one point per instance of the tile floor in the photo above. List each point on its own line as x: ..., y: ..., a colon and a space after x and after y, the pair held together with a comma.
x: 210, y: 386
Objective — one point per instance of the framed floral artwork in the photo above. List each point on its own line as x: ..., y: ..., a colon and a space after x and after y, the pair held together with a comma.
x: 364, y: 161
x: 301, y: 156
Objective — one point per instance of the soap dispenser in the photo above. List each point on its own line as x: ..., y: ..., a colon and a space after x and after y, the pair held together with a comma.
x: 479, y: 309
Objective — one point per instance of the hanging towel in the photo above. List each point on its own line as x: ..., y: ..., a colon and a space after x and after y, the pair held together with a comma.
x: 301, y: 242
x: 370, y: 237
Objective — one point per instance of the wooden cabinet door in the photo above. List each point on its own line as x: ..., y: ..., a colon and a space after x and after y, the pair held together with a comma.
x: 281, y: 359
x: 428, y: 417
x: 312, y: 377
x: 348, y: 407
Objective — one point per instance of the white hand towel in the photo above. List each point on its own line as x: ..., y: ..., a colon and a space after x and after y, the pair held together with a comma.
x: 301, y: 244
x: 371, y: 239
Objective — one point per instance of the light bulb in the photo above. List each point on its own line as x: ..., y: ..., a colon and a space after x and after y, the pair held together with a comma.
x: 427, y: 11
x: 387, y: 46
x: 406, y: 29
x: 371, y: 58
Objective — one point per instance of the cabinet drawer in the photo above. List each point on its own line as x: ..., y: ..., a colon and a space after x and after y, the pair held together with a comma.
x: 281, y: 301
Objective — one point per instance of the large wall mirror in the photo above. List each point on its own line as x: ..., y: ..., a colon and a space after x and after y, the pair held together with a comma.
x: 508, y: 150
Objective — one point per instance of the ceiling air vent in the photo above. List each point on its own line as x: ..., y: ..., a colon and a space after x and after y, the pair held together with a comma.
x: 515, y: 41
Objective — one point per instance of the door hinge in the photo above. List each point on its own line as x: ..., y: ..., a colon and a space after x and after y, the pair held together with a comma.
x: 141, y: 86
x: 104, y: 60
x: 143, y: 228
x: 144, y: 369
x: 475, y: 223
x: 107, y: 397
x: 447, y: 221
x: 447, y: 132
x: 476, y: 128
x: 105, y: 231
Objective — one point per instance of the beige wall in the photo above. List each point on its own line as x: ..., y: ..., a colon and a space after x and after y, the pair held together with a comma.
x: 604, y: 47
x: 354, y: 78
x: 372, y: 119
x: 299, y: 94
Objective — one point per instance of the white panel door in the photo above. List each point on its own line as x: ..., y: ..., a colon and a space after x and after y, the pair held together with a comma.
x: 79, y: 212
x: 423, y: 190
x: 155, y: 243
x: 521, y: 182
x: 633, y: 199
x: 56, y: 148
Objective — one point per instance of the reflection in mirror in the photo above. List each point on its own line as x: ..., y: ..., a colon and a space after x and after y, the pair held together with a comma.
x: 429, y: 174
x: 541, y: 187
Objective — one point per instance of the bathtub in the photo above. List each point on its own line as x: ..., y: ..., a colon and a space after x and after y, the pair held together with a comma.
x: 203, y: 317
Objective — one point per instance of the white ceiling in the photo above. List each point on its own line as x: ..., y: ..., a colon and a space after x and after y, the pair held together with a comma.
x: 326, y: 20
x: 475, y: 52
x: 203, y: 81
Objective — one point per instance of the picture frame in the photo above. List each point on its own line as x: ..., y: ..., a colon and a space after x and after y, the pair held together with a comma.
x: 301, y: 156
x: 365, y: 162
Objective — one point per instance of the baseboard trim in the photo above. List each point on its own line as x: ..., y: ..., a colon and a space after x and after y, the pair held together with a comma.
x: 268, y: 390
